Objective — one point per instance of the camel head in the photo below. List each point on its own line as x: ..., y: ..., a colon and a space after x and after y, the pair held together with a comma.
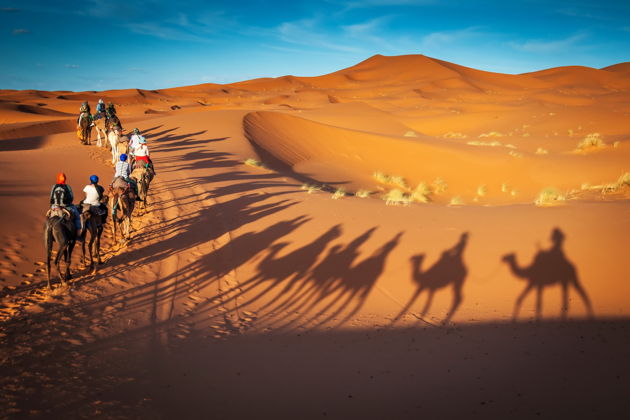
x: 416, y: 260
x: 509, y: 258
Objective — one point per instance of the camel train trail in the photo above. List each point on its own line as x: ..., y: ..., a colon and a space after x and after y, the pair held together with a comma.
x: 120, y: 198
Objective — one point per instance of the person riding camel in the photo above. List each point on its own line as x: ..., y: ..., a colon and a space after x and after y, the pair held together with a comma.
x: 84, y: 112
x: 94, y: 196
x: 123, y: 170
x: 142, y: 155
x: 134, y: 141
x: 61, y: 196
x: 110, y: 111
x: 100, y: 109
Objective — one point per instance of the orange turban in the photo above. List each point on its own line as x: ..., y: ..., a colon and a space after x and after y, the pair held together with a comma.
x: 61, y: 178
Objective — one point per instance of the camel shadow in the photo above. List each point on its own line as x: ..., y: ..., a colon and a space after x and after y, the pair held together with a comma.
x: 548, y: 268
x: 448, y: 270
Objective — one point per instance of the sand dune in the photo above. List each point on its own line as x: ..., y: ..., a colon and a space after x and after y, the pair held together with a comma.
x: 247, y: 279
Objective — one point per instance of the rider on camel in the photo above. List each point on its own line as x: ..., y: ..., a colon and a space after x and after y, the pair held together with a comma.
x: 111, y: 110
x: 85, y: 112
x: 123, y: 170
x: 66, y: 199
x: 142, y: 155
x: 100, y: 109
x: 93, y: 196
x: 134, y: 141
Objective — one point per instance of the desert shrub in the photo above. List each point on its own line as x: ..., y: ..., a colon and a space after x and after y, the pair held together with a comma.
x: 456, y: 201
x: 549, y: 196
x: 454, y: 135
x: 515, y: 154
x: 339, y: 193
x: 590, y: 141
x: 255, y: 163
x: 311, y: 188
x: 398, y: 181
x: 482, y: 190
x: 395, y: 197
x: 421, y: 193
x: 494, y: 143
x: 439, y: 185
x: 381, y: 177
x: 363, y: 193
x: 492, y: 134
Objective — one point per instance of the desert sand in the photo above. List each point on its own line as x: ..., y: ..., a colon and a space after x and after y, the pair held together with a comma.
x: 332, y: 246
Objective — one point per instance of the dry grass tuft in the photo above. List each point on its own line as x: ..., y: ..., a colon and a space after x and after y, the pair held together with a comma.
x: 439, y: 186
x: 421, y: 194
x: 541, y: 151
x: 549, y: 196
x: 396, y: 197
x: 255, y: 163
x: 492, y: 134
x: 482, y: 190
x: 591, y: 141
x: 411, y: 134
x: 363, y: 193
x: 339, y: 193
x: 456, y: 201
x: 454, y: 135
x: 311, y: 188
x: 493, y: 143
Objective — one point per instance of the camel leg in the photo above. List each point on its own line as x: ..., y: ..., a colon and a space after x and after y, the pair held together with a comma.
x: 98, y: 245
x: 457, y: 300
x: 583, y: 295
x: 565, y: 301
x: 539, y: 298
x: 407, y: 306
x: 48, y: 252
x: 519, y: 300
x: 61, y: 251
x: 427, y: 305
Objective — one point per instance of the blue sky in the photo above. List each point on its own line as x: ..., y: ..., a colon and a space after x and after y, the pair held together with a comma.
x: 149, y: 44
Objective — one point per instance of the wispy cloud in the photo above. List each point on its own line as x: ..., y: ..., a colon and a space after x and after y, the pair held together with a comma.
x: 20, y: 31
x: 440, y: 39
x: 307, y: 32
x: 548, y: 46
x: 9, y: 9
x: 72, y: 66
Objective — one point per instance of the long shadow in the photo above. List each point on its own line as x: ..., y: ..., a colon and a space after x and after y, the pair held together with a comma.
x: 449, y: 270
x: 549, y: 267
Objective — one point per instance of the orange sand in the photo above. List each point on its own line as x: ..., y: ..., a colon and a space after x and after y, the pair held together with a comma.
x: 243, y: 294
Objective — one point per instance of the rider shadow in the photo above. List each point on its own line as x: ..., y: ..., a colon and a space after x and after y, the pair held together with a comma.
x: 449, y: 270
x: 549, y: 267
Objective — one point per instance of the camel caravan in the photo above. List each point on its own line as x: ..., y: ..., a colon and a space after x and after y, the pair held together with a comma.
x: 67, y: 223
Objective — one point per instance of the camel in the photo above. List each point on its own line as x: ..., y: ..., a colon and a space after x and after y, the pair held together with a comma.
x: 84, y: 128
x: 59, y: 228
x: 99, y: 127
x: 548, y: 268
x: 94, y: 226
x: 143, y: 177
x: 121, y: 201
x: 114, y: 137
x: 448, y: 270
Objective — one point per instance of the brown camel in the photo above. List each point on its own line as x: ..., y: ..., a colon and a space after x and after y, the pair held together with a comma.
x: 448, y: 270
x: 548, y: 268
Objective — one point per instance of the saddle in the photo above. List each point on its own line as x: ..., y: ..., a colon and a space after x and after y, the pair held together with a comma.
x: 58, y: 211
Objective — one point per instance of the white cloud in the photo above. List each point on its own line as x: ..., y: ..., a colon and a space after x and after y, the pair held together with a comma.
x: 20, y: 31
x: 442, y: 39
x: 307, y: 32
x: 548, y: 46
